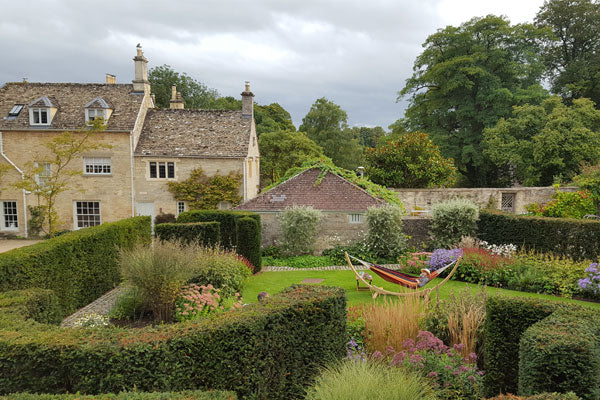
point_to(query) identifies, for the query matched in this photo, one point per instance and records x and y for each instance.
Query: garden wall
(425, 198)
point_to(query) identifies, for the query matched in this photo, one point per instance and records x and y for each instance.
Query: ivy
(325, 165)
(205, 193)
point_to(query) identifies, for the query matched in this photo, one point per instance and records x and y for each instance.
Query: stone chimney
(176, 99)
(111, 79)
(247, 102)
(140, 82)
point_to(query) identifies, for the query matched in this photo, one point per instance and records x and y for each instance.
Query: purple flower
(442, 257)
(377, 355)
(472, 378)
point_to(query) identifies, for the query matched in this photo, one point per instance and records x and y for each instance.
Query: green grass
(273, 282)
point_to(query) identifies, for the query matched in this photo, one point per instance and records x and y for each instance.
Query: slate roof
(194, 133)
(334, 193)
(70, 100)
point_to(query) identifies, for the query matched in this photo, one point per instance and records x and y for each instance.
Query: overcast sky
(357, 53)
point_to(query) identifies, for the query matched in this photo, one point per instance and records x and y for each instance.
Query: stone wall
(484, 197)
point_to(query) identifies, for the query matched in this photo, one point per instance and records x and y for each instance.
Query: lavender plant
(442, 257)
(591, 283)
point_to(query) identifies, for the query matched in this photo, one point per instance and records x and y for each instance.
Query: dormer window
(97, 108)
(41, 111)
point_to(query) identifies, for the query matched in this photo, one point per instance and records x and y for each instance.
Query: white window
(180, 207)
(93, 113)
(162, 170)
(39, 116)
(355, 218)
(10, 220)
(87, 213)
(45, 172)
(16, 110)
(96, 166)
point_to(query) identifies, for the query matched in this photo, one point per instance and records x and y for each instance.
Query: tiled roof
(194, 133)
(332, 194)
(70, 100)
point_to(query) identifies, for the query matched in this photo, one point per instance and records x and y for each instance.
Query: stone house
(148, 147)
(342, 203)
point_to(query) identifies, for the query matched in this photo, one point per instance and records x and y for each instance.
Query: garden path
(9, 244)
(101, 305)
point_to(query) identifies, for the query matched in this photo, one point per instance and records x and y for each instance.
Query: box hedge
(575, 238)
(78, 266)
(207, 233)
(541, 396)
(185, 395)
(268, 350)
(248, 245)
(562, 353)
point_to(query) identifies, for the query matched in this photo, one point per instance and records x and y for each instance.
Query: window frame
(40, 179)
(162, 170)
(355, 218)
(181, 207)
(38, 111)
(76, 214)
(3, 226)
(93, 162)
(96, 111)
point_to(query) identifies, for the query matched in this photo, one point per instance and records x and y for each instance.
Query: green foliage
(272, 118)
(541, 142)
(541, 396)
(299, 229)
(249, 240)
(195, 94)
(507, 318)
(78, 266)
(282, 150)
(306, 261)
(164, 218)
(465, 80)
(410, 160)
(451, 220)
(562, 353)
(589, 179)
(35, 223)
(571, 54)
(368, 137)
(220, 268)
(184, 395)
(206, 233)
(4, 168)
(267, 350)
(205, 193)
(385, 237)
(130, 304)
(577, 239)
(327, 125)
(358, 380)
(358, 249)
(565, 205)
(325, 165)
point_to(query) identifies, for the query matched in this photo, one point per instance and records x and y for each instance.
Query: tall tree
(540, 143)
(327, 125)
(282, 150)
(466, 79)
(272, 118)
(195, 94)
(367, 136)
(572, 55)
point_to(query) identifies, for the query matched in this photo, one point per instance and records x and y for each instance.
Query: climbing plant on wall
(204, 193)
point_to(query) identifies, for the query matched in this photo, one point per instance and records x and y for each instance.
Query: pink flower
(432, 374)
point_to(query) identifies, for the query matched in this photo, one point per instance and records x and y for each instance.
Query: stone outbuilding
(342, 203)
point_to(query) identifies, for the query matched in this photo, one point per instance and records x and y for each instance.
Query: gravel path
(101, 306)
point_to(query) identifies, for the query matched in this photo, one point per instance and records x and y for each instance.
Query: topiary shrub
(249, 241)
(385, 237)
(451, 220)
(299, 228)
(562, 353)
(221, 268)
(164, 218)
(206, 233)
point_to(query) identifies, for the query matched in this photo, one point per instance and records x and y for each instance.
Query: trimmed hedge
(186, 395)
(506, 320)
(562, 353)
(207, 233)
(267, 350)
(247, 246)
(18, 306)
(575, 238)
(78, 266)
(249, 241)
(541, 396)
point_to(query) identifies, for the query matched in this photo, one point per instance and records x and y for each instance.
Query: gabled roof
(98, 102)
(70, 100)
(194, 133)
(333, 193)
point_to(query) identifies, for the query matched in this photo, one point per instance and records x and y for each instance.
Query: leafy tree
(368, 137)
(195, 94)
(272, 118)
(589, 179)
(60, 152)
(465, 80)
(409, 160)
(225, 103)
(539, 143)
(327, 125)
(282, 150)
(572, 55)
(205, 193)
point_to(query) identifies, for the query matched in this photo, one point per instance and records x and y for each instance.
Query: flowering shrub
(200, 301)
(565, 205)
(454, 376)
(591, 283)
(91, 320)
(414, 262)
(442, 257)
(504, 250)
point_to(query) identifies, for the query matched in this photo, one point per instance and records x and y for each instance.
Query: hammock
(399, 278)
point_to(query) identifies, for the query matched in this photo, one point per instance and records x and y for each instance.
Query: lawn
(273, 282)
